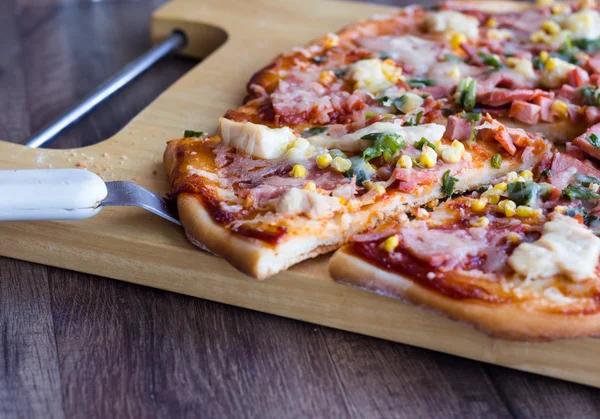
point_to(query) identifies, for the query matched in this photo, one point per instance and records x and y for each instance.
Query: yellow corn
(560, 107)
(508, 207)
(539, 37)
(428, 157)
(324, 160)
(561, 209)
(457, 39)
(405, 162)
(479, 204)
(491, 22)
(327, 78)
(551, 27)
(379, 188)
(433, 204)
(298, 171)
(457, 145)
(492, 195)
(551, 64)
(390, 243)
(310, 186)
(481, 222)
(331, 40)
(544, 2)
(341, 164)
(513, 237)
(512, 177)
(343, 200)
(502, 186)
(526, 174)
(544, 55)
(558, 9)
(524, 211)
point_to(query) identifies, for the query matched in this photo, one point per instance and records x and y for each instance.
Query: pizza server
(70, 194)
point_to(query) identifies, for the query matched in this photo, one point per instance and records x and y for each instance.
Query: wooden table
(75, 345)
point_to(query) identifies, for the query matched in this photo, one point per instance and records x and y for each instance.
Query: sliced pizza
(518, 260)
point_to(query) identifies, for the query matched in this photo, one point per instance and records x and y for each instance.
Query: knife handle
(50, 194)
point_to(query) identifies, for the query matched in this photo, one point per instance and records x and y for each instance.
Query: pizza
(518, 259)
(394, 117)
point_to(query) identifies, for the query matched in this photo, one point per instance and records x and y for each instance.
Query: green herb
(538, 64)
(386, 144)
(586, 180)
(418, 83)
(546, 173)
(586, 44)
(384, 55)
(591, 95)
(361, 169)
(370, 114)
(568, 52)
(448, 183)
(594, 140)
(340, 72)
(524, 193)
(399, 103)
(471, 116)
(422, 142)
(496, 161)
(192, 134)
(491, 59)
(319, 59)
(467, 93)
(416, 120)
(313, 131)
(453, 58)
(574, 192)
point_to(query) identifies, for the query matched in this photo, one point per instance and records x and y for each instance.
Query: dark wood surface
(79, 346)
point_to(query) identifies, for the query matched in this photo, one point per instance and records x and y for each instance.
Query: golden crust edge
(505, 321)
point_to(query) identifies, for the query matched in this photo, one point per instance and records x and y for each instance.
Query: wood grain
(77, 345)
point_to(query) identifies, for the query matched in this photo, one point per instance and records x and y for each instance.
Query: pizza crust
(505, 321)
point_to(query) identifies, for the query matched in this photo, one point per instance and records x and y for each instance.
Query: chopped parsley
(574, 192)
(422, 143)
(471, 116)
(386, 144)
(192, 134)
(523, 193)
(313, 131)
(448, 183)
(594, 140)
(491, 59)
(591, 95)
(546, 173)
(586, 44)
(538, 64)
(586, 180)
(467, 93)
(416, 120)
(496, 161)
(418, 83)
(340, 72)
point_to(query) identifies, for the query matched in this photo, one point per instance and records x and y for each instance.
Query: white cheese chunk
(312, 204)
(450, 20)
(555, 73)
(374, 75)
(583, 24)
(257, 140)
(418, 52)
(565, 248)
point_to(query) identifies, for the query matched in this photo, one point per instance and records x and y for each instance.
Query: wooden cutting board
(135, 246)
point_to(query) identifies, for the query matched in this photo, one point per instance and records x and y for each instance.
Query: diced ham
(458, 128)
(526, 22)
(499, 97)
(594, 63)
(409, 180)
(569, 93)
(493, 130)
(595, 79)
(575, 115)
(527, 113)
(587, 147)
(591, 115)
(578, 77)
(545, 105)
(573, 150)
(564, 167)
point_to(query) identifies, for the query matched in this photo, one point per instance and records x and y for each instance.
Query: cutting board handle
(50, 194)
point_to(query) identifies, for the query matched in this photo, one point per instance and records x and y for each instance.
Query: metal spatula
(70, 194)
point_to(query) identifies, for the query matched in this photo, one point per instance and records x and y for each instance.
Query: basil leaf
(386, 145)
(496, 161)
(491, 60)
(422, 142)
(192, 134)
(313, 131)
(594, 140)
(574, 192)
(523, 193)
(586, 180)
(467, 93)
(448, 183)
(417, 83)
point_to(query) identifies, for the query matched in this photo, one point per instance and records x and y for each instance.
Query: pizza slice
(267, 198)
(517, 260)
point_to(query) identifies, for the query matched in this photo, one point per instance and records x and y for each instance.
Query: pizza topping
(257, 140)
(528, 113)
(565, 248)
(564, 168)
(374, 75)
(555, 72)
(456, 22)
(589, 142)
(312, 204)
(412, 51)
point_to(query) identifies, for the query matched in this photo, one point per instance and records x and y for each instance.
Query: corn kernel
(502, 186)
(551, 27)
(481, 222)
(457, 145)
(479, 204)
(438, 146)
(544, 55)
(451, 155)
(390, 244)
(405, 162)
(310, 186)
(539, 37)
(343, 200)
(491, 22)
(457, 39)
(512, 177)
(324, 160)
(428, 157)
(331, 40)
(433, 204)
(526, 174)
(558, 9)
(379, 189)
(327, 78)
(508, 207)
(544, 2)
(524, 211)
(561, 209)
(560, 107)
(513, 237)
(551, 64)
(341, 164)
(298, 171)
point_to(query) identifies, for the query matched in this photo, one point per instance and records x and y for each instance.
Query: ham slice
(545, 105)
(564, 167)
(500, 97)
(490, 129)
(578, 77)
(458, 128)
(409, 180)
(527, 113)
(591, 115)
(587, 147)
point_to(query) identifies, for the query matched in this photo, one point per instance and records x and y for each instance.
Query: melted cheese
(312, 204)
(565, 248)
(555, 73)
(583, 24)
(450, 20)
(374, 75)
(257, 140)
(417, 52)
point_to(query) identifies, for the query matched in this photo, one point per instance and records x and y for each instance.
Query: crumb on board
(81, 165)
